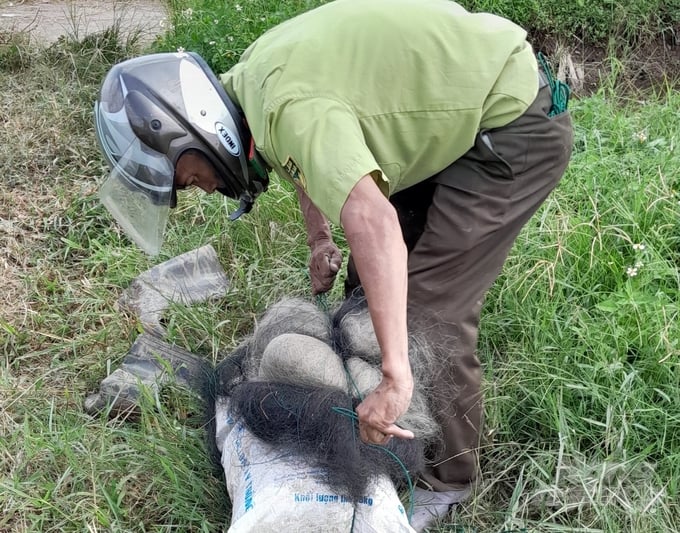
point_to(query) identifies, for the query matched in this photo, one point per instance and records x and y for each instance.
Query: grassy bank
(220, 31)
(579, 336)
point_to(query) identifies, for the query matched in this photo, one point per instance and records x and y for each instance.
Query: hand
(382, 407)
(324, 265)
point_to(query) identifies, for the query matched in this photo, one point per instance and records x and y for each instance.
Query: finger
(373, 436)
(383, 439)
(334, 264)
(322, 284)
(320, 288)
(396, 431)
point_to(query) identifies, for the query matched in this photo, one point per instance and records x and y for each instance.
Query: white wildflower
(181, 50)
(641, 137)
(638, 247)
(639, 264)
(238, 7)
(188, 12)
(632, 271)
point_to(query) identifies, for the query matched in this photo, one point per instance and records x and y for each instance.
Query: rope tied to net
(321, 301)
(352, 415)
(560, 90)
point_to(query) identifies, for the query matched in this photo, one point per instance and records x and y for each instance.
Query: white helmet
(150, 111)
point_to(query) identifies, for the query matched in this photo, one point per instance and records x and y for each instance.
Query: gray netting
(300, 363)
(292, 315)
(313, 423)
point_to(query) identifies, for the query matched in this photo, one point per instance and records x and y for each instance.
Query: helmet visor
(138, 192)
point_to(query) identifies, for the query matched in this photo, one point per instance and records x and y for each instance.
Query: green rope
(560, 90)
(322, 301)
(351, 383)
(406, 476)
(349, 413)
(353, 416)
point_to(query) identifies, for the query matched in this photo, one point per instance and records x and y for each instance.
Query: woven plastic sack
(274, 492)
(191, 277)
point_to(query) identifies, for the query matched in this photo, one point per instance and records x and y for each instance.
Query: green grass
(582, 357)
(221, 30)
(592, 22)
(580, 333)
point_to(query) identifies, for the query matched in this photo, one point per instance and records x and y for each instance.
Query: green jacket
(393, 88)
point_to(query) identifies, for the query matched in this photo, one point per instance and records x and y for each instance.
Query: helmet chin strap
(246, 202)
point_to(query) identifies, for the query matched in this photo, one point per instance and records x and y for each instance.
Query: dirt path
(47, 20)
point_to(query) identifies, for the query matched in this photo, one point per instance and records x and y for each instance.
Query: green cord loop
(322, 302)
(560, 90)
(353, 416)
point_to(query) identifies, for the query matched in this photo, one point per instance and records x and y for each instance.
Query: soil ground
(641, 66)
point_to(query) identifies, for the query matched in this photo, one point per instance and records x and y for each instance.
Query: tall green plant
(221, 30)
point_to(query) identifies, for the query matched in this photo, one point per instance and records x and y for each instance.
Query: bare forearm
(380, 256)
(374, 236)
(315, 222)
(325, 258)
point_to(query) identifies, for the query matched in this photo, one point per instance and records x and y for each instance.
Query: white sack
(274, 492)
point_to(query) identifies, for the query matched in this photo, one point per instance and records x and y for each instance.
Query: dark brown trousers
(459, 227)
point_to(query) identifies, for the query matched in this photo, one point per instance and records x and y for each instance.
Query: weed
(220, 31)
